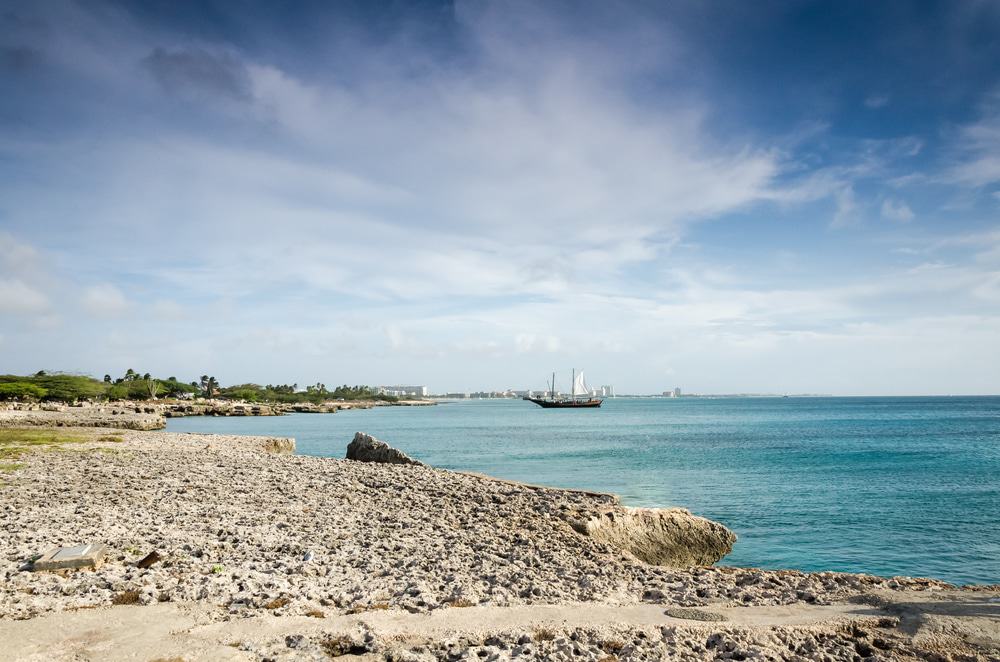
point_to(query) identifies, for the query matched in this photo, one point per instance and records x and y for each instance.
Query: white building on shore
(402, 391)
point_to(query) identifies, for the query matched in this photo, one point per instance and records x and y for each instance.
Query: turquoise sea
(907, 486)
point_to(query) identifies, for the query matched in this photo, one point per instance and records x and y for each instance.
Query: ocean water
(889, 486)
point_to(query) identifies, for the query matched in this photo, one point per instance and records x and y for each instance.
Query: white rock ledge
(661, 536)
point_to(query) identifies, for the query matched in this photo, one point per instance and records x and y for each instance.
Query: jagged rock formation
(670, 537)
(218, 408)
(366, 448)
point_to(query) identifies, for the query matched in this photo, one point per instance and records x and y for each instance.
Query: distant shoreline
(153, 415)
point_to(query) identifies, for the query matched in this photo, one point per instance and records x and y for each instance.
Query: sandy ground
(948, 625)
(275, 556)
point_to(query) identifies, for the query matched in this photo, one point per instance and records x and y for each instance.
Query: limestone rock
(279, 445)
(88, 417)
(366, 448)
(660, 536)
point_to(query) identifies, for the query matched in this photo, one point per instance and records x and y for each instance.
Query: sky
(769, 197)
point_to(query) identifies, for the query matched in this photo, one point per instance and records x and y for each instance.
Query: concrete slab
(80, 556)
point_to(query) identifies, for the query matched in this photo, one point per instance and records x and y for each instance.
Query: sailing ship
(579, 388)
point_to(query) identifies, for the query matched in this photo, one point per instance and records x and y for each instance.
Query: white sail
(580, 386)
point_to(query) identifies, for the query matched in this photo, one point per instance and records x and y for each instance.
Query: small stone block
(81, 556)
(695, 614)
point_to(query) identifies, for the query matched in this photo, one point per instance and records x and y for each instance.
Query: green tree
(64, 388)
(21, 391)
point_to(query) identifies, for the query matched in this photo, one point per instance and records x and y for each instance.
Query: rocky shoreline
(129, 415)
(329, 557)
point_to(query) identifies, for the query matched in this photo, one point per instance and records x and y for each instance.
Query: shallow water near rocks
(888, 486)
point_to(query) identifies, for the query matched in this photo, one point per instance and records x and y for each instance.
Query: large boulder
(366, 448)
(660, 536)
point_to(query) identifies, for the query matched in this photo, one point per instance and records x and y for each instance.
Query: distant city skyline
(778, 197)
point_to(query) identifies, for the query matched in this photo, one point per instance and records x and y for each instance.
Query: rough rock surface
(121, 417)
(366, 448)
(661, 536)
(245, 533)
(151, 415)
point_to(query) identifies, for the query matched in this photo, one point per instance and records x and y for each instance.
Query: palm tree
(209, 385)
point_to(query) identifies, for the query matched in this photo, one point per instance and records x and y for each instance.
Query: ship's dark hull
(566, 404)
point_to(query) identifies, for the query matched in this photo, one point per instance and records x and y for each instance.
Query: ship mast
(552, 390)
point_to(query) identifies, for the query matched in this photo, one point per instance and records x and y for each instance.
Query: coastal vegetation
(62, 387)
(291, 393)
(15, 442)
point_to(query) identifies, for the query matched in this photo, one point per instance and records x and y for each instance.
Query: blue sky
(726, 197)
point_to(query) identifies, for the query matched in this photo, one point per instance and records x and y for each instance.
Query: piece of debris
(690, 614)
(81, 556)
(148, 560)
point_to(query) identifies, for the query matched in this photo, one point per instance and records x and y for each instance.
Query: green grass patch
(9, 467)
(15, 442)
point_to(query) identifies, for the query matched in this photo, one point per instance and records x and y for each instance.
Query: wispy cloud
(530, 185)
(978, 159)
(104, 299)
(896, 210)
(877, 101)
(18, 298)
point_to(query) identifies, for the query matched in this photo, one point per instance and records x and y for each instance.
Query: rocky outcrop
(219, 408)
(366, 448)
(91, 417)
(660, 536)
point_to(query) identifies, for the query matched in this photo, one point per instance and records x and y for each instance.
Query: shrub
(21, 391)
(64, 388)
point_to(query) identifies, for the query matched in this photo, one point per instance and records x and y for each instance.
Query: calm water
(880, 485)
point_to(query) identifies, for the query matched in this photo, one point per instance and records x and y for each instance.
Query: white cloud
(167, 309)
(978, 152)
(846, 213)
(530, 342)
(16, 256)
(104, 300)
(16, 297)
(896, 210)
(877, 101)
(461, 224)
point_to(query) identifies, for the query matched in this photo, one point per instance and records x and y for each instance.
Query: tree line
(61, 387)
